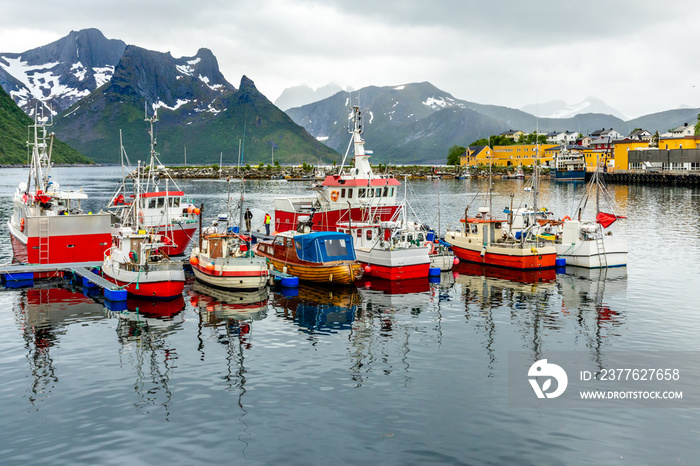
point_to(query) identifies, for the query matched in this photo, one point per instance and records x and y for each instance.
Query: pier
(21, 275)
(654, 177)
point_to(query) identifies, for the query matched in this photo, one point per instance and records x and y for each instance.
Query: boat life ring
(566, 218)
(334, 195)
(141, 217)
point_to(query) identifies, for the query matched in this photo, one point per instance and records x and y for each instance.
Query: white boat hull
(442, 261)
(589, 254)
(232, 273)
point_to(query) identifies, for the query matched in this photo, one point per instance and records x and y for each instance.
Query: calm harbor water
(415, 373)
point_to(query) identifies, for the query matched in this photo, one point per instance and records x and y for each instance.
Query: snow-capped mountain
(62, 72)
(560, 109)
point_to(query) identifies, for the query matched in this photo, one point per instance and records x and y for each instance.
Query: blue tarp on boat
(324, 246)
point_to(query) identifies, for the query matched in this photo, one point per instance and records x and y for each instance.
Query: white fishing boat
(163, 210)
(47, 224)
(353, 196)
(389, 250)
(224, 257)
(590, 243)
(137, 262)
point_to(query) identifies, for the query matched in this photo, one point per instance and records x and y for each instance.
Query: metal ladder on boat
(600, 244)
(43, 240)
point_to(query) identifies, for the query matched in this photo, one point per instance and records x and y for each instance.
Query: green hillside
(92, 125)
(14, 125)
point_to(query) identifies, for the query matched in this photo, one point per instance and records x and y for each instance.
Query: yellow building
(621, 150)
(686, 142)
(523, 155)
(476, 155)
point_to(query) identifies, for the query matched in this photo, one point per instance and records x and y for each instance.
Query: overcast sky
(639, 57)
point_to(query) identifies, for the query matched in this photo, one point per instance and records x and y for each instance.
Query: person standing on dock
(268, 219)
(248, 217)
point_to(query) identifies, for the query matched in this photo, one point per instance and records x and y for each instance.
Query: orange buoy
(190, 209)
(196, 211)
(209, 266)
(194, 260)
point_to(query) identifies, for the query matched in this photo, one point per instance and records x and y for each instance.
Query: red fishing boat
(48, 225)
(356, 195)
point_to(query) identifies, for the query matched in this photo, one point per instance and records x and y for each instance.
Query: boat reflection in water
(44, 315)
(230, 313)
(317, 309)
(143, 331)
(587, 293)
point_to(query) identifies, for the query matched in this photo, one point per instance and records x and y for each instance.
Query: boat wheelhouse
(355, 195)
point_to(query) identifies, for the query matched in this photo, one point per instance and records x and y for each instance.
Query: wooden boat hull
(340, 272)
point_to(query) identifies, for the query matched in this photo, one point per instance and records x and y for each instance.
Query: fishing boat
(355, 195)
(484, 240)
(569, 164)
(589, 243)
(389, 250)
(224, 257)
(47, 224)
(321, 257)
(136, 261)
(164, 210)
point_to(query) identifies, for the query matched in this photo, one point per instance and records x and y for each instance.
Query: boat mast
(151, 166)
(438, 206)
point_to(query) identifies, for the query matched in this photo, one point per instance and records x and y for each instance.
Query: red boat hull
(520, 262)
(397, 273)
(327, 220)
(62, 249)
(181, 236)
(168, 289)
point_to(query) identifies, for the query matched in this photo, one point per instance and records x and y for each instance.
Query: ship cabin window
(361, 192)
(174, 201)
(378, 192)
(335, 247)
(392, 192)
(152, 203)
(358, 232)
(342, 193)
(161, 202)
(350, 190)
(369, 234)
(420, 237)
(279, 241)
(386, 191)
(410, 237)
